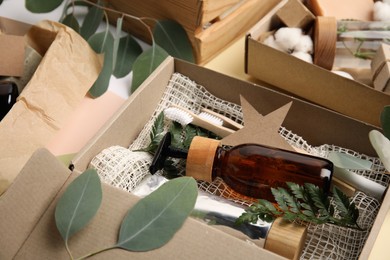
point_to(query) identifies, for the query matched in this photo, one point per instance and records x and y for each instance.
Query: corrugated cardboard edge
(26, 200)
(327, 89)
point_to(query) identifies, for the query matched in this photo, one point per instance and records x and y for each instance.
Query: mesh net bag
(125, 168)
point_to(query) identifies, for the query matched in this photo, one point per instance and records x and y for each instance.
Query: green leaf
(279, 198)
(91, 22)
(385, 121)
(381, 145)
(342, 202)
(79, 204)
(42, 6)
(154, 220)
(347, 161)
(156, 134)
(128, 51)
(146, 63)
(72, 22)
(171, 36)
(102, 43)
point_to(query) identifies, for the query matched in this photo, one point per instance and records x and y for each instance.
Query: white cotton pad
(288, 38)
(305, 44)
(303, 56)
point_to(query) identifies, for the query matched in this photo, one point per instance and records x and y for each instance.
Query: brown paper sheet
(67, 71)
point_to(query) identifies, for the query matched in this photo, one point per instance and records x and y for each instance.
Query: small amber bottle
(253, 169)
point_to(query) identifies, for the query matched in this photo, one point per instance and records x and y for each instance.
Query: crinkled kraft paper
(67, 71)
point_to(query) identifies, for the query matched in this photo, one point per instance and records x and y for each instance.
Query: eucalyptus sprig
(122, 54)
(148, 225)
(306, 203)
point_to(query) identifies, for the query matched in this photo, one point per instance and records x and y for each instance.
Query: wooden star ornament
(260, 129)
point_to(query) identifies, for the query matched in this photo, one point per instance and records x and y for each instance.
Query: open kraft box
(210, 25)
(309, 81)
(27, 208)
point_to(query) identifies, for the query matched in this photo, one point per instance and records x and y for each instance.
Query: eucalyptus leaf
(102, 43)
(154, 220)
(79, 204)
(146, 63)
(347, 161)
(385, 121)
(171, 36)
(42, 6)
(91, 22)
(128, 51)
(72, 22)
(381, 145)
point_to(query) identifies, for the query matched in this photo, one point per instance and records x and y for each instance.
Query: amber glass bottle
(253, 169)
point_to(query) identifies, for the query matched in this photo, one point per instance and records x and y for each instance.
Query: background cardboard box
(309, 81)
(27, 209)
(211, 25)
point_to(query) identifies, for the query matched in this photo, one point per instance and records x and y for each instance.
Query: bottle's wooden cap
(201, 157)
(325, 37)
(286, 238)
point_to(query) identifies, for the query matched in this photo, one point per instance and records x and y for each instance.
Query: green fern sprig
(307, 203)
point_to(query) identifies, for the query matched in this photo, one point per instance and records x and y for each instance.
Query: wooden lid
(286, 238)
(201, 157)
(325, 37)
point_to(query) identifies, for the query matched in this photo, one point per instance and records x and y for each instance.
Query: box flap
(22, 205)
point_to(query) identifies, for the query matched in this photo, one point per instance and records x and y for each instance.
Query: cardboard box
(210, 25)
(27, 208)
(309, 81)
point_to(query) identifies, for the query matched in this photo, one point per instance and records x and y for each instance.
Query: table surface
(230, 62)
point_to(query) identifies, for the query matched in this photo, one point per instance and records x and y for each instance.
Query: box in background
(210, 25)
(308, 81)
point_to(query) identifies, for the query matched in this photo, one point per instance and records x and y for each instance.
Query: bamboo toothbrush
(210, 122)
(227, 122)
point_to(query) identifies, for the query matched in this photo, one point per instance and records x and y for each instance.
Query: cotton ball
(288, 38)
(305, 44)
(270, 41)
(303, 56)
(381, 11)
